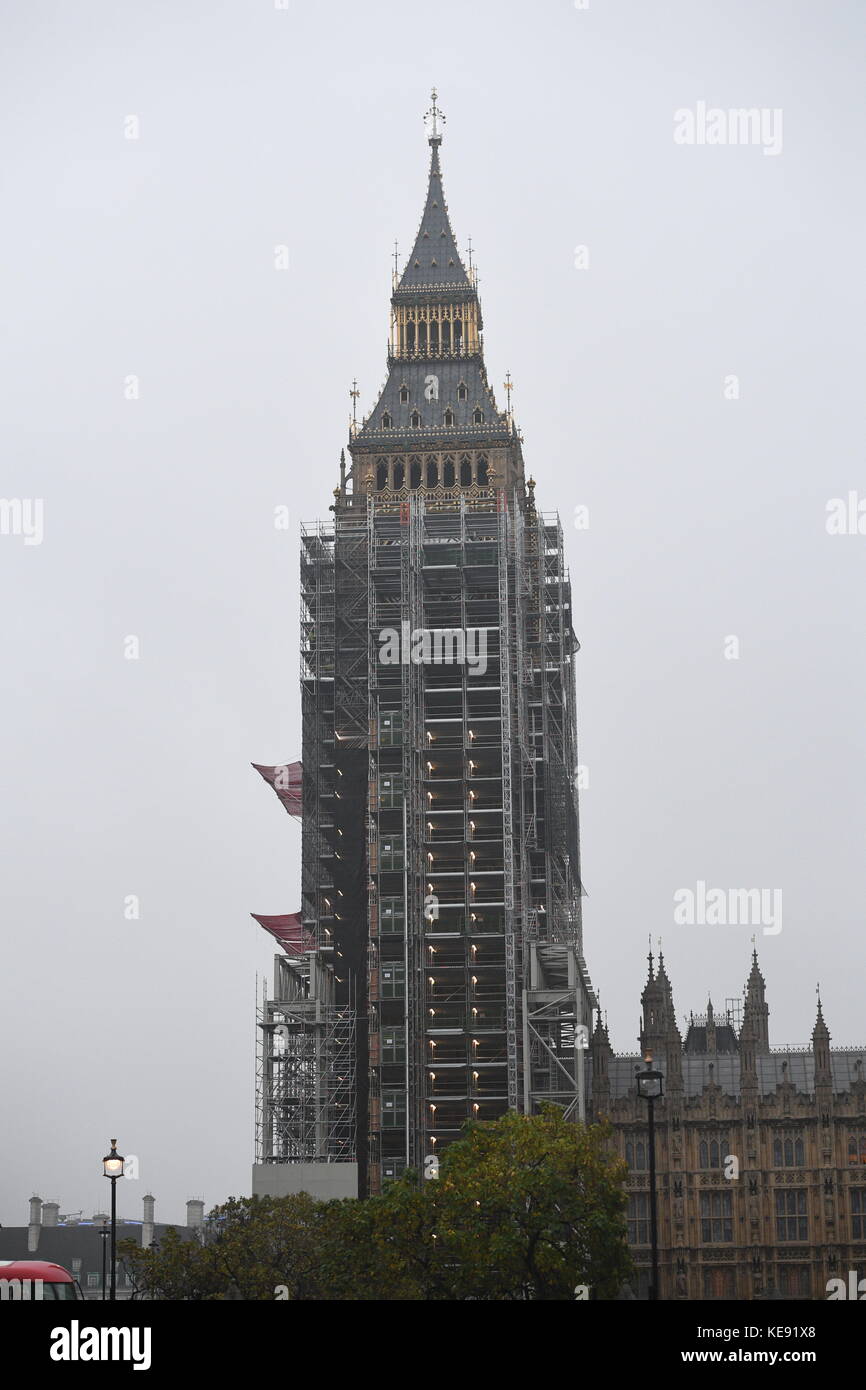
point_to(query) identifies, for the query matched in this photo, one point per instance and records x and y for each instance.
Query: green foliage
(523, 1208)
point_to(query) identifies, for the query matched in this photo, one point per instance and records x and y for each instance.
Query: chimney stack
(149, 1203)
(50, 1212)
(35, 1224)
(195, 1213)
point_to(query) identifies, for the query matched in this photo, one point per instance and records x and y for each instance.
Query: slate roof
(772, 1071)
(435, 261)
(696, 1038)
(449, 373)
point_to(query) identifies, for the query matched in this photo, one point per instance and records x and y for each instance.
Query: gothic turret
(436, 426)
(755, 1012)
(821, 1049)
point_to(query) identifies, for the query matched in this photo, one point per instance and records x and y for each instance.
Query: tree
(523, 1208)
(528, 1208)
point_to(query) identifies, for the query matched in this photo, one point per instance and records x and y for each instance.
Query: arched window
(386, 421)
(381, 475)
(434, 336)
(852, 1151)
(449, 418)
(465, 472)
(777, 1153)
(789, 1153)
(410, 337)
(448, 473)
(446, 336)
(704, 1159)
(458, 335)
(432, 473)
(461, 391)
(416, 420)
(482, 471)
(478, 417)
(399, 474)
(404, 395)
(415, 473)
(799, 1156)
(422, 336)
(640, 1155)
(629, 1153)
(714, 1153)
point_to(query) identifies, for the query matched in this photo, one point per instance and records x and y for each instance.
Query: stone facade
(760, 1151)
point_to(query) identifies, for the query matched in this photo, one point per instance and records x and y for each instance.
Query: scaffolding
(305, 1067)
(441, 977)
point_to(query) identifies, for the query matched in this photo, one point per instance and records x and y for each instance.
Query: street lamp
(112, 1167)
(649, 1085)
(104, 1234)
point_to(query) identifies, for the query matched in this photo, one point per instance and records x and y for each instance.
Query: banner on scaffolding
(287, 781)
(289, 930)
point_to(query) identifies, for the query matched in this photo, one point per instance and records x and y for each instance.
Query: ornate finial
(509, 387)
(354, 393)
(530, 488)
(469, 256)
(434, 116)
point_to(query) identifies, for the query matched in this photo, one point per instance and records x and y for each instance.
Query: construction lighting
(475, 1075)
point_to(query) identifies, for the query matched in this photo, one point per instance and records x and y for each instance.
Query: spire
(821, 1047)
(436, 399)
(434, 261)
(756, 1014)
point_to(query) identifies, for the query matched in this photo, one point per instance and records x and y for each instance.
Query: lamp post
(112, 1167)
(649, 1084)
(104, 1234)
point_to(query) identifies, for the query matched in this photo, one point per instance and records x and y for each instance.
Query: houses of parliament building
(760, 1150)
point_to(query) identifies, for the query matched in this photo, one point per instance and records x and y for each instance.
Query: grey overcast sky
(261, 126)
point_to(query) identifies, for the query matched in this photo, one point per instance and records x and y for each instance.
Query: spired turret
(436, 425)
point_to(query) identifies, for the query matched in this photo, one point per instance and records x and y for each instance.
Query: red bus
(36, 1280)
